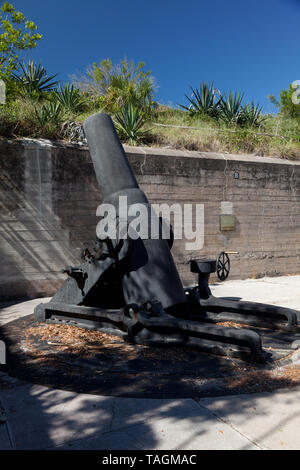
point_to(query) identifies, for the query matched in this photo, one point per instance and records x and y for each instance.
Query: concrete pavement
(42, 418)
(283, 291)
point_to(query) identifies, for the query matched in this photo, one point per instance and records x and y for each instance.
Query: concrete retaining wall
(49, 196)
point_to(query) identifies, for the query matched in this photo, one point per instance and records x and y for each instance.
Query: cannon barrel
(149, 271)
(113, 171)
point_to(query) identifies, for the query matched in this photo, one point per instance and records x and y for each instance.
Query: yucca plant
(251, 115)
(203, 101)
(49, 113)
(33, 80)
(231, 107)
(69, 98)
(129, 123)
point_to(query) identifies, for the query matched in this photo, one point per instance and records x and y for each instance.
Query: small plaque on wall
(227, 222)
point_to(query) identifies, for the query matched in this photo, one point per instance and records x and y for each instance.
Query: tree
(17, 34)
(286, 105)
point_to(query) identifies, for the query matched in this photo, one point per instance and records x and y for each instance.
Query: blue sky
(252, 47)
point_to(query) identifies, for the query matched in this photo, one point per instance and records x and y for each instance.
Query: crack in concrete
(230, 425)
(225, 177)
(260, 231)
(143, 163)
(292, 186)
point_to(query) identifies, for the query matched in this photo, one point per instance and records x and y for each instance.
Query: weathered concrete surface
(270, 420)
(5, 443)
(49, 196)
(41, 418)
(10, 311)
(283, 291)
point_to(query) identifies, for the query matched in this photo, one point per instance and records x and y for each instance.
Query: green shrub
(114, 86)
(13, 89)
(286, 106)
(49, 113)
(19, 119)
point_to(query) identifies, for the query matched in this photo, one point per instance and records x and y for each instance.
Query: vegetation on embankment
(38, 106)
(278, 136)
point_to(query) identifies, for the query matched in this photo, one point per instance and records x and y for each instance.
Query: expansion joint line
(225, 177)
(230, 425)
(260, 230)
(293, 191)
(8, 428)
(113, 413)
(39, 181)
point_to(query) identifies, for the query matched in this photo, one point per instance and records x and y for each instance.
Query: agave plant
(129, 123)
(49, 113)
(231, 107)
(33, 80)
(69, 98)
(203, 101)
(251, 115)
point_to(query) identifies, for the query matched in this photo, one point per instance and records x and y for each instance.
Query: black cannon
(130, 286)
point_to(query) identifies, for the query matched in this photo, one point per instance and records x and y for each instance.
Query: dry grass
(213, 136)
(18, 119)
